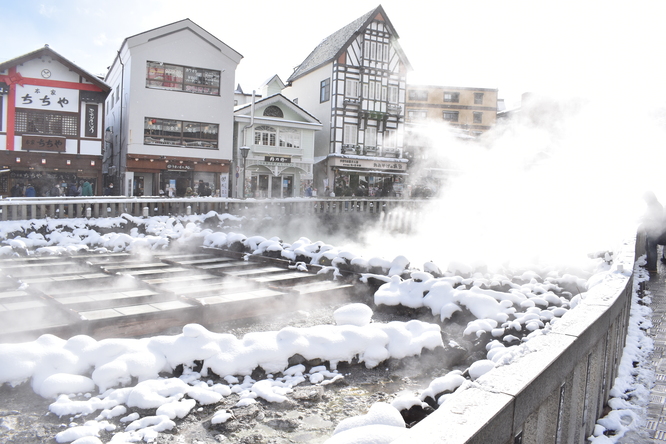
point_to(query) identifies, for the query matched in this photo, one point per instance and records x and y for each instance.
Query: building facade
(280, 138)
(354, 82)
(470, 111)
(51, 126)
(467, 112)
(170, 112)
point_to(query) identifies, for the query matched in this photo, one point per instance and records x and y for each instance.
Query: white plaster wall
(188, 49)
(91, 147)
(306, 90)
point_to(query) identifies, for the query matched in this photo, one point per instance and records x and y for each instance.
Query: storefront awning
(372, 172)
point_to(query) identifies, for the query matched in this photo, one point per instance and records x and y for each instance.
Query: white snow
(60, 368)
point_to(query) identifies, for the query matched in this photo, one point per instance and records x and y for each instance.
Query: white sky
(554, 47)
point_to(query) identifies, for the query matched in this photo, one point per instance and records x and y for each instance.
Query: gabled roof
(47, 51)
(275, 78)
(333, 45)
(276, 98)
(177, 27)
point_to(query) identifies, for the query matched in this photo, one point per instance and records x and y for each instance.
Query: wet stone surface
(310, 414)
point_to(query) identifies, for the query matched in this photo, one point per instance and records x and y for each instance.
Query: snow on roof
(331, 46)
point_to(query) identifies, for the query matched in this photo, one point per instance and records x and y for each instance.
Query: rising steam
(561, 180)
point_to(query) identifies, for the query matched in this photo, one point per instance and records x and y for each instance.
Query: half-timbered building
(354, 82)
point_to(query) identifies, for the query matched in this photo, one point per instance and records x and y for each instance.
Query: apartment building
(470, 111)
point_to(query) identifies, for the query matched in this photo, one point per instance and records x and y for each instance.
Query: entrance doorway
(275, 188)
(287, 186)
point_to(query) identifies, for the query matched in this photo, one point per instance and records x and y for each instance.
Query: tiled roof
(331, 45)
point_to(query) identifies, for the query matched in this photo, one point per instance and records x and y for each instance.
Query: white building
(170, 111)
(354, 82)
(51, 124)
(280, 138)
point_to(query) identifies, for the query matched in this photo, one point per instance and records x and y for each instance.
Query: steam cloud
(562, 180)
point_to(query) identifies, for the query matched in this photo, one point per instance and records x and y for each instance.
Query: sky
(550, 47)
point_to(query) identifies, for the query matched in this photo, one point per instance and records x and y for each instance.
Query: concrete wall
(556, 391)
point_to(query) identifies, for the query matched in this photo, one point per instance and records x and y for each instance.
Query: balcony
(394, 110)
(348, 101)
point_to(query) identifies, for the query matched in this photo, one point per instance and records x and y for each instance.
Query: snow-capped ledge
(555, 384)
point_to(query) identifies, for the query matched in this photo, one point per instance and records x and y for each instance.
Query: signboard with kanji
(43, 143)
(47, 98)
(278, 159)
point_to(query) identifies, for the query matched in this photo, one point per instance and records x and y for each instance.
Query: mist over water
(562, 180)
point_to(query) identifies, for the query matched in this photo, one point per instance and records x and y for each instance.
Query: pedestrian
(654, 226)
(72, 190)
(86, 189)
(17, 190)
(201, 189)
(109, 191)
(30, 191)
(189, 192)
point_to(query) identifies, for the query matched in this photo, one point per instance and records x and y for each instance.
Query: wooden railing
(71, 207)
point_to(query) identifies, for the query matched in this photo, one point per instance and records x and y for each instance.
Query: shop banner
(42, 143)
(47, 98)
(224, 185)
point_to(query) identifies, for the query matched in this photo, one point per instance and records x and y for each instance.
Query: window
(325, 90)
(393, 94)
(182, 78)
(416, 114)
(180, 133)
(452, 97)
(265, 135)
(41, 122)
(416, 94)
(273, 111)
(450, 116)
(390, 138)
(290, 138)
(478, 98)
(370, 137)
(478, 117)
(350, 134)
(351, 88)
(376, 51)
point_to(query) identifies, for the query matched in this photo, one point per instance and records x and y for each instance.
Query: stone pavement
(656, 414)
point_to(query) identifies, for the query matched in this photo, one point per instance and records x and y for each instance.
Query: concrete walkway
(655, 428)
(656, 420)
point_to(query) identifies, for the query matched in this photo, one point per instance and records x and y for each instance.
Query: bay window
(180, 133)
(265, 135)
(182, 78)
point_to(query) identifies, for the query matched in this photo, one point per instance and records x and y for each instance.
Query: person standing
(30, 191)
(109, 191)
(86, 189)
(654, 226)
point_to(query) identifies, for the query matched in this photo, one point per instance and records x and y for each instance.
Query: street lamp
(244, 152)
